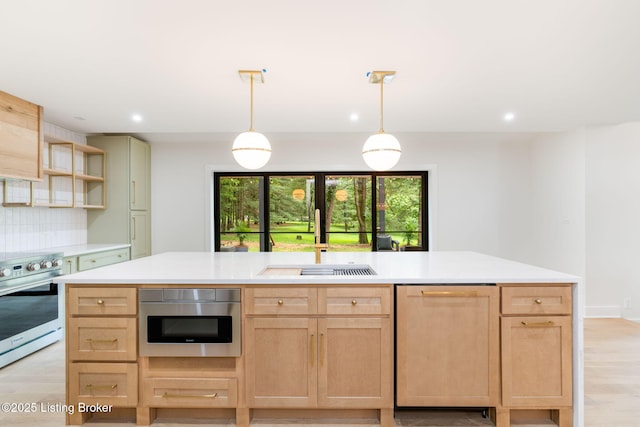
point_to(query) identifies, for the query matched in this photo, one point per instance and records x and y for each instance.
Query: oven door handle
(26, 286)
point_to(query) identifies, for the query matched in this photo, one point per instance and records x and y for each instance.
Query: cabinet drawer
(356, 300)
(102, 301)
(104, 383)
(281, 301)
(536, 300)
(190, 392)
(99, 339)
(100, 259)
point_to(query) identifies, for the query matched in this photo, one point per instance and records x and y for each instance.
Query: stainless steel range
(29, 303)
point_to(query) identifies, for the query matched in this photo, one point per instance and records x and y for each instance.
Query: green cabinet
(127, 215)
(94, 259)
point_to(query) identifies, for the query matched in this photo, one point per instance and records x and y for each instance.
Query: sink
(319, 270)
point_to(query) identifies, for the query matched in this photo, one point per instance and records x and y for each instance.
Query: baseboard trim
(609, 311)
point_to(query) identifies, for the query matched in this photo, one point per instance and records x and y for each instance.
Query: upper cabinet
(139, 170)
(126, 218)
(21, 138)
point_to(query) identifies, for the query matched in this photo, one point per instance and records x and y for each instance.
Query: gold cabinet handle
(101, 387)
(537, 324)
(354, 302)
(538, 301)
(111, 341)
(134, 192)
(94, 261)
(204, 396)
(449, 293)
(280, 302)
(321, 356)
(100, 302)
(312, 350)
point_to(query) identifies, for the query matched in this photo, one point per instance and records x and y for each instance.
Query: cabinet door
(447, 346)
(21, 138)
(281, 362)
(355, 363)
(139, 169)
(140, 234)
(536, 361)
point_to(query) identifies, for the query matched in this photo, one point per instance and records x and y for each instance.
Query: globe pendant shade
(251, 150)
(381, 151)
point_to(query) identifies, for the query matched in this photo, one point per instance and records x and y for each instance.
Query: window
(359, 211)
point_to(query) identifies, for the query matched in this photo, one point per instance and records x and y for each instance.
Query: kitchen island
(323, 346)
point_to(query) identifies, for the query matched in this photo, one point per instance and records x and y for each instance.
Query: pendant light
(251, 149)
(382, 150)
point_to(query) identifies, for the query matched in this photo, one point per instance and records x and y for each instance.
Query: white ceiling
(461, 64)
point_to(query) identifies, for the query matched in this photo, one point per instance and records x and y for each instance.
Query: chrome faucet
(318, 246)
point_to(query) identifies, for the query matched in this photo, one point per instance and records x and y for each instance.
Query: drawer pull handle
(103, 341)
(100, 301)
(280, 302)
(102, 387)
(111, 341)
(205, 396)
(449, 293)
(93, 260)
(354, 302)
(538, 324)
(312, 350)
(538, 301)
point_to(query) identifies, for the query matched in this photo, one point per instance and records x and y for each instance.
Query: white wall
(613, 221)
(558, 202)
(586, 210)
(482, 184)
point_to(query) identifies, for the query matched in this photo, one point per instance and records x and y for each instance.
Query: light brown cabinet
(309, 347)
(75, 179)
(447, 346)
(21, 138)
(321, 351)
(76, 176)
(354, 366)
(175, 384)
(101, 348)
(190, 392)
(281, 359)
(536, 338)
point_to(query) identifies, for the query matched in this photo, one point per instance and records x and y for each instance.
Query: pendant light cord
(381, 104)
(251, 105)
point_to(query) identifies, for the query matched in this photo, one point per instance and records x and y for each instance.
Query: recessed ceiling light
(354, 117)
(508, 117)
(136, 118)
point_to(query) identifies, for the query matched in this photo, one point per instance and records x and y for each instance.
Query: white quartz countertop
(246, 268)
(86, 248)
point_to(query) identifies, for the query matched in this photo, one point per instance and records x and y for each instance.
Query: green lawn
(293, 236)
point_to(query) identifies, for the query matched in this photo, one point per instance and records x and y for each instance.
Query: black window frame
(319, 178)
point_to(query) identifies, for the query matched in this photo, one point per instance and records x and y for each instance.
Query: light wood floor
(612, 386)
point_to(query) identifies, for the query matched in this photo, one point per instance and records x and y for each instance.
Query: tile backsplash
(33, 228)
